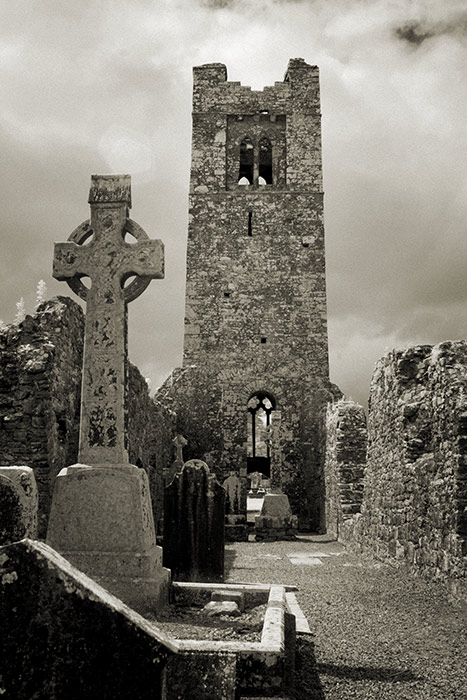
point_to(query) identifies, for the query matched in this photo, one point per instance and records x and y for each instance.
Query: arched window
(265, 161)
(246, 160)
(260, 407)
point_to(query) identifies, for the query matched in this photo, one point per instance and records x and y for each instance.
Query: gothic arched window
(260, 407)
(246, 160)
(265, 161)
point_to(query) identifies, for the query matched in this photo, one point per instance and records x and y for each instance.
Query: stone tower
(255, 380)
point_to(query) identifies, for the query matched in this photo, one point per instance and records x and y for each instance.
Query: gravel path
(377, 633)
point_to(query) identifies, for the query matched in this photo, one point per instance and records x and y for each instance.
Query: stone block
(63, 636)
(237, 597)
(274, 526)
(18, 504)
(222, 607)
(101, 520)
(276, 504)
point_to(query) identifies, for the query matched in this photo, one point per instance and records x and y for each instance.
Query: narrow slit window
(250, 229)
(265, 162)
(246, 161)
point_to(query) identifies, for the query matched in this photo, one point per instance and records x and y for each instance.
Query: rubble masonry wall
(415, 496)
(40, 391)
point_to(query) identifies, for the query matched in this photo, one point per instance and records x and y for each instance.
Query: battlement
(299, 91)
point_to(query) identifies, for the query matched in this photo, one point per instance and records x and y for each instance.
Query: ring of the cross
(136, 287)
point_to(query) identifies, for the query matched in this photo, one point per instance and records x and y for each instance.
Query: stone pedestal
(101, 521)
(276, 521)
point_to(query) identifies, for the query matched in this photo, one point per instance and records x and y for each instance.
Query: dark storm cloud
(416, 32)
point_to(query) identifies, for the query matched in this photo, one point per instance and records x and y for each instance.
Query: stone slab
(304, 559)
(301, 623)
(237, 597)
(63, 636)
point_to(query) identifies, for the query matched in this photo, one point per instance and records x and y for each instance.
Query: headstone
(101, 516)
(276, 521)
(194, 506)
(176, 467)
(63, 636)
(18, 504)
(236, 528)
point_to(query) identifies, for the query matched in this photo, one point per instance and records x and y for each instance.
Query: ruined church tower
(255, 380)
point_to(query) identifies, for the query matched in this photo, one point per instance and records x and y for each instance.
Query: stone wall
(415, 496)
(151, 429)
(40, 391)
(40, 386)
(345, 463)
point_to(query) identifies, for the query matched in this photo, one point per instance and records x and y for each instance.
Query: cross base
(101, 521)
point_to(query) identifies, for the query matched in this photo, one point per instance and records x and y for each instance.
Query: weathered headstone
(236, 528)
(194, 507)
(176, 467)
(18, 504)
(276, 521)
(101, 516)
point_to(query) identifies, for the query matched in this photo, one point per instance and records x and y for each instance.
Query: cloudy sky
(104, 86)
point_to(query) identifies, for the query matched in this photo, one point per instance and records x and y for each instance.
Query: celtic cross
(98, 249)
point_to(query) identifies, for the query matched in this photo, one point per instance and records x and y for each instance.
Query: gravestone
(101, 517)
(194, 507)
(18, 504)
(276, 522)
(176, 467)
(236, 528)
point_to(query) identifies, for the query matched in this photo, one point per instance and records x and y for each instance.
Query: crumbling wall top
(212, 91)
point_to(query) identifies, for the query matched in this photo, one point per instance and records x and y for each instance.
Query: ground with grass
(377, 632)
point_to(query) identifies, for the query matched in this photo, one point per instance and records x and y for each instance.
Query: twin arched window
(255, 163)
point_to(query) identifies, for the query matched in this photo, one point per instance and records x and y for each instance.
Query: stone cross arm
(143, 258)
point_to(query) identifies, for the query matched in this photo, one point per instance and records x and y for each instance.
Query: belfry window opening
(255, 162)
(245, 173)
(265, 162)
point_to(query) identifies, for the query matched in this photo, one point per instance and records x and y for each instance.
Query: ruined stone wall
(40, 386)
(345, 462)
(40, 392)
(151, 429)
(255, 318)
(415, 496)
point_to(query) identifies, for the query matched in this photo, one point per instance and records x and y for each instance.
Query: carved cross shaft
(97, 249)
